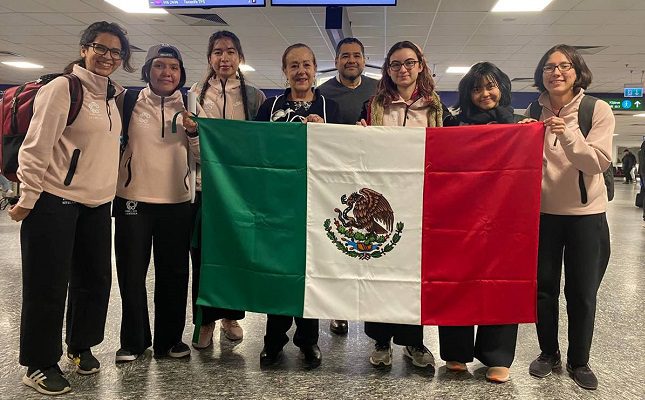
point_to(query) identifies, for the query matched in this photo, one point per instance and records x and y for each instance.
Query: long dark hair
(583, 73)
(91, 32)
(211, 73)
(386, 91)
(474, 78)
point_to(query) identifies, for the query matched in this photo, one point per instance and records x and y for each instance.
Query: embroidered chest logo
(208, 105)
(144, 118)
(94, 107)
(131, 207)
(369, 232)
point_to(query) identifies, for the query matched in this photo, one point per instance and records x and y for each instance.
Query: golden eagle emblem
(369, 231)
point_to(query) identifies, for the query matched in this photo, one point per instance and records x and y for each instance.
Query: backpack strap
(129, 101)
(76, 97)
(585, 113)
(253, 106)
(535, 110)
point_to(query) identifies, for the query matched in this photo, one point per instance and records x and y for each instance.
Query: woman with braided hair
(225, 94)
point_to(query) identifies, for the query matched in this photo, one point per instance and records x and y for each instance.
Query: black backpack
(585, 116)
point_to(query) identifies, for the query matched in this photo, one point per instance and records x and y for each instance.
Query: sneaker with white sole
(47, 381)
(180, 350)
(205, 336)
(420, 356)
(86, 363)
(232, 329)
(381, 355)
(123, 356)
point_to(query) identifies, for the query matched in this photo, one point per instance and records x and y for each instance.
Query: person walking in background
(350, 89)
(69, 176)
(573, 222)
(629, 162)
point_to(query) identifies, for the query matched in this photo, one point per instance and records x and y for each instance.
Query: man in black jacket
(629, 161)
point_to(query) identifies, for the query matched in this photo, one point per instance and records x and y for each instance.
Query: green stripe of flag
(254, 179)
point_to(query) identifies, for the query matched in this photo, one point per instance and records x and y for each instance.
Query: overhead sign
(625, 104)
(633, 92)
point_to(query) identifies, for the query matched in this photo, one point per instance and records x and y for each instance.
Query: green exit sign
(625, 104)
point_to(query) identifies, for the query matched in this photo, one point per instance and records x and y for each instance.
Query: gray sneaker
(382, 355)
(420, 356)
(542, 366)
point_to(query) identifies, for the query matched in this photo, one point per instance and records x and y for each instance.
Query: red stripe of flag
(480, 224)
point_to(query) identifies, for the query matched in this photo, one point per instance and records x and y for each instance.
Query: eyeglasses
(409, 64)
(563, 67)
(101, 50)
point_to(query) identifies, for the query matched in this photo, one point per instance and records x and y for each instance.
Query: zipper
(128, 166)
(163, 118)
(407, 108)
(109, 112)
(223, 94)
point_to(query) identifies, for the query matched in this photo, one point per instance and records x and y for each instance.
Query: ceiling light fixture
(136, 7)
(457, 70)
(246, 68)
(520, 5)
(22, 64)
(639, 115)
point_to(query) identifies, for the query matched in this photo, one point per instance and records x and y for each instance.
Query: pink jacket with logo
(154, 165)
(77, 162)
(569, 153)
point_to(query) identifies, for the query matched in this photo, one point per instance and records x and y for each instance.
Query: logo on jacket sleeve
(369, 231)
(144, 118)
(94, 107)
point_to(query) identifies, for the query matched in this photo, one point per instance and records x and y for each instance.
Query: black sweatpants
(166, 228)
(278, 325)
(66, 248)
(583, 241)
(209, 314)
(494, 345)
(401, 334)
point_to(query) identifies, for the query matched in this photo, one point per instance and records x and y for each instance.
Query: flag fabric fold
(433, 226)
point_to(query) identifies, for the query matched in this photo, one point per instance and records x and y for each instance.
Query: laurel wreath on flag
(369, 239)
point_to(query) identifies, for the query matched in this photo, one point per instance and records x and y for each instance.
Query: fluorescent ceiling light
(246, 68)
(22, 64)
(640, 115)
(323, 79)
(457, 70)
(374, 75)
(136, 7)
(520, 5)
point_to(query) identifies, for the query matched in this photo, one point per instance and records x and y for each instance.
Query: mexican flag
(435, 226)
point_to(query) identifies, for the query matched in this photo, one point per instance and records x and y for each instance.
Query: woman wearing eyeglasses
(405, 96)
(573, 225)
(69, 175)
(484, 98)
(299, 103)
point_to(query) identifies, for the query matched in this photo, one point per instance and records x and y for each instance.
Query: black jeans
(165, 228)
(583, 241)
(401, 334)
(494, 345)
(209, 314)
(63, 243)
(278, 325)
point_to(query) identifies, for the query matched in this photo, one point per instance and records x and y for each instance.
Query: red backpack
(17, 110)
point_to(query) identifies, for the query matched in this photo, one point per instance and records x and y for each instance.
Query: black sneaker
(123, 356)
(85, 362)
(583, 376)
(542, 366)
(180, 350)
(47, 381)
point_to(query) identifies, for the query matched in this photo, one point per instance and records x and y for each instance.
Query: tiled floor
(230, 370)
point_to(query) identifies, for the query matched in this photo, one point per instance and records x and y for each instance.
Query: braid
(205, 87)
(245, 100)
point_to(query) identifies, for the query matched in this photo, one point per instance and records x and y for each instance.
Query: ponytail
(245, 100)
